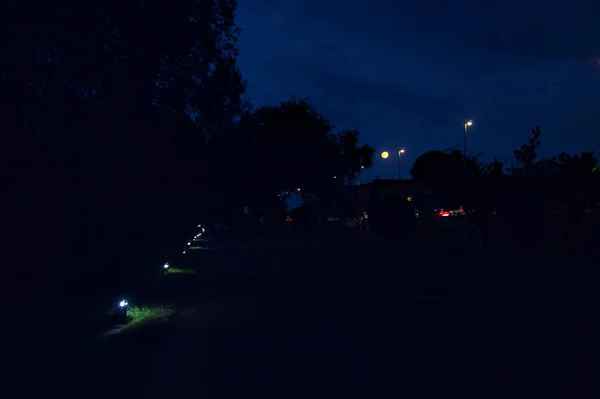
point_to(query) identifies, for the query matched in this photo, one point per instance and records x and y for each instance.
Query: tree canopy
(292, 146)
(354, 155)
(109, 106)
(527, 153)
(467, 179)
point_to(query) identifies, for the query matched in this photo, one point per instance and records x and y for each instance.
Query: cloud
(355, 90)
(530, 30)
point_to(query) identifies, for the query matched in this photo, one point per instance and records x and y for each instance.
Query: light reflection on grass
(174, 270)
(143, 315)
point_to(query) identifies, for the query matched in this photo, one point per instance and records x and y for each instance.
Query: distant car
(449, 211)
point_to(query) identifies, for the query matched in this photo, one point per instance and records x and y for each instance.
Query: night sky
(409, 73)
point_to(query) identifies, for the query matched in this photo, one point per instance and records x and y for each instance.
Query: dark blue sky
(408, 73)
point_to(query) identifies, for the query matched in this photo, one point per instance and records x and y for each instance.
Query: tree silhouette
(576, 167)
(574, 176)
(435, 166)
(292, 146)
(292, 149)
(529, 200)
(457, 180)
(440, 167)
(355, 156)
(495, 168)
(109, 108)
(527, 153)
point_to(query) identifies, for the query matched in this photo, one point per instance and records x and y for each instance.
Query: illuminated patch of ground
(143, 315)
(175, 270)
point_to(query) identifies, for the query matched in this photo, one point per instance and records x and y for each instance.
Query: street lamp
(400, 152)
(360, 174)
(467, 124)
(386, 154)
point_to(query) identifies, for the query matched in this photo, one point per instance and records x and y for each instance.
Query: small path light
(119, 315)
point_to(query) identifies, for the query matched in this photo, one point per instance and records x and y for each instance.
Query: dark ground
(354, 322)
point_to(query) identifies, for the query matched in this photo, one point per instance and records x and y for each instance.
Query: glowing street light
(401, 151)
(166, 266)
(123, 303)
(467, 124)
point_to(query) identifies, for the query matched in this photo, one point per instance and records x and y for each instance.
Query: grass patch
(143, 315)
(174, 270)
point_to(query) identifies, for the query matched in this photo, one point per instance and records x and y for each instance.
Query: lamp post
(400, 152)
(386, 154)
(467, 124)
(360, 207)
(360, 174)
